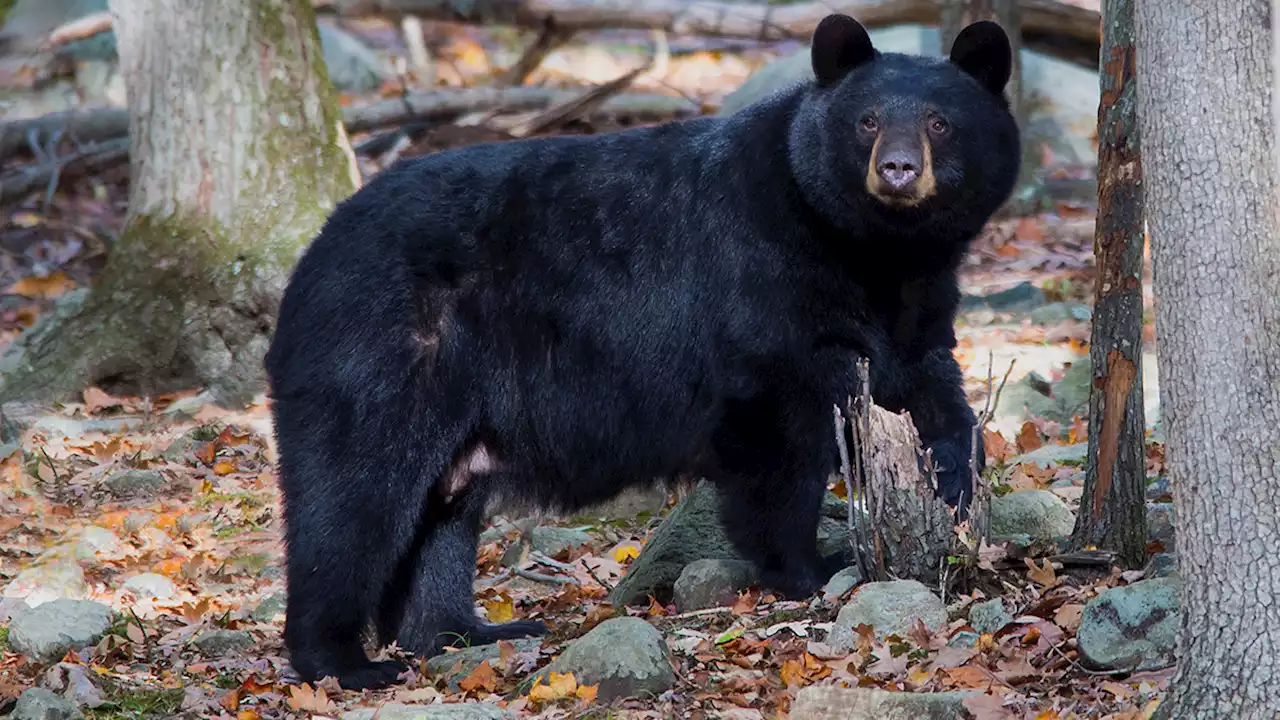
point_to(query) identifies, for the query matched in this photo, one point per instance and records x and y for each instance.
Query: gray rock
(891, 608)
(147, 586)
(1067, 398)
(73, 683)
(1057, 312)
(1021, 297)
(989, 616)
(451, 711)
(456, 665)
(629, 504)
(1134, 627)
(47, 632)
(222, 642)
(1159, 489)
(271, 606)
(1160, 525)
(40, 584)
(711, 583)
(841, 583)
(833, 537)
(352, 66)
(99, 543)
(831, 702)
(1161, 565)
(551, 541)
(1038, 513)
(42, 704)
(134, 483)
(181, 450)
(964, 639)
(625, 656)
(1050, 455)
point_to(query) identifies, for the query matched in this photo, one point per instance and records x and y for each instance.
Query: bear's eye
(869, 124)
(938, 126)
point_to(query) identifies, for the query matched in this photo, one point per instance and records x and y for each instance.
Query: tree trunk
(239, 154)
(1113, 514)
(1205, 104)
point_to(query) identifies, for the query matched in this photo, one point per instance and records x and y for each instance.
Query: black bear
(552, 320)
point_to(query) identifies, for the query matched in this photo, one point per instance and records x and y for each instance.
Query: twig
(24, 181)
(411, 26)
(558, 115)
(78, 29)
(1096, 673)
(594, 576)
(550, 37)
(550, 579)
(542, 559)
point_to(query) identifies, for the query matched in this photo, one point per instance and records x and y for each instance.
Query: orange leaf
(231, 700)
(224, 467)
(587, 693)
(96, 399)
(501, 609)
(248, 715)
(792, 673)
(482, 678)
(1042, 574)
(303, 697)
(996, 446)
(1028, 438)
(50, 286)
(558, 686)
(206, 453)
(1068, 616)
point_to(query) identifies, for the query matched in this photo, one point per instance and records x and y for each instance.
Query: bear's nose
(898, 169)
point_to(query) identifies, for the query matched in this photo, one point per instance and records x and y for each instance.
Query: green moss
(4, 639)
(137, 704)
(5, 7)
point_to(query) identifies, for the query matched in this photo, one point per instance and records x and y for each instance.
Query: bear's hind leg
(436, 582)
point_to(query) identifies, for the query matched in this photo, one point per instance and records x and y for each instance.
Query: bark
(1113, 514)
(1205, 104)
(1055, 27)
(239, 154)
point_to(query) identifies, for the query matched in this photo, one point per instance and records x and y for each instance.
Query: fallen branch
(84, 126)
(99, 157)
(1059, 28)
(580, 106)
(549, 38)
(78, 29)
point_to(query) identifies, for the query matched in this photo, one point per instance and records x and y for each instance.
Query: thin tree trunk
(239, 154)
(1113, 513)
(1205, 104)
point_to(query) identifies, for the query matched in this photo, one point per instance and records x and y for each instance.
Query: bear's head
(906, 143)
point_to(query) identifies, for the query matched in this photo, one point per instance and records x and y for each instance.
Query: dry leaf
(50, 286)
(1068, 616)
(559, 686)
(224, 467)
(1028, 438)
(305, 698)
(997, 448)
(482, 678)
(1043, 574)
(623, 553)
(587, 693)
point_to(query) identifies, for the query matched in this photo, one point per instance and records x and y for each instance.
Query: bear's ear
(840, 44)
(982, 50)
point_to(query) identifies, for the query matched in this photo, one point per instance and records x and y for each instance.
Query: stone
(1051, 455)
(450, 711)
(42, 704)
(841, 583)
(990, 616)
(134, 483)
(831, 702)
(1159, 489)
(1160, 526)
(624, 656)
(40, 584)
(711, 582)
(551, 540)
(99, 543)
(458, 664)
(47, 632)
(1021, 297)
(964, 639)
(222, 642)
(148, 586)
(628, 505)
(1161, 565)
(1038, 513)
(1057, 312)
(353, 67)
(1134, 627)
(270, 607)
(73, 683)
(891, 608)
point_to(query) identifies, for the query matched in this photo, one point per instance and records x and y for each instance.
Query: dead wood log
(84, 126)
(1058, 28)
(94, 158)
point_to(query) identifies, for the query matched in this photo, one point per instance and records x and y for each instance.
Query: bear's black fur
(556, 319)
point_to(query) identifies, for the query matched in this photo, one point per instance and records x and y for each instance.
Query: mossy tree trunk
(1113, 512)
(1211, 197)
(239, 154)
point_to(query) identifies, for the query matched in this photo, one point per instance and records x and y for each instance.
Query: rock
(990, 616)
(711, 583)
(222, 642)
(629, 504)
(134, 483)
(551, 540)
(1038, 513)
(456, 665)
(270, 606)
(99, 543)
(1021, 297)
(891, 608)
(1160, 526)
(181, 450)
(1161, 565)
(353, 67)
(147, 586)
(833, 537)
(451, 711)
(1058, 312)
(841, 583)
(1134, 627)
(831, 702)
(964, 639)
(42, 704)
(71, 680)
(625, 656)
(1067, 398)
(1159, 489)
(47, 632)
(40, 584)
(1050, 455)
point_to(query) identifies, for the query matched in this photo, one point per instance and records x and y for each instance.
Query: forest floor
(166, 510)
